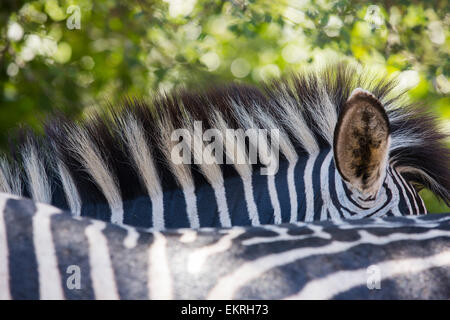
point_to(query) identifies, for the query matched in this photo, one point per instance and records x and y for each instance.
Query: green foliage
(139, 47)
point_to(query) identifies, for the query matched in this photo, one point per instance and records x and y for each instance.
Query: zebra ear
(361, 143)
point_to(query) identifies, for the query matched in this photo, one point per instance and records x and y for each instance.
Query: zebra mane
(124, 151)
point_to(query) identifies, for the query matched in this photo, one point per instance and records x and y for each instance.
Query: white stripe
(416, 198)
(380, 222)
(331, 285)
(159, 279)
(424, 175)
(274, 198)
(197, 259)
(393, 205)
(358, 213)
(158, 212)
(226, 287)
(405, 196)
(102, 273)
(219, 192)
(4, 267)
(191, 207)
(318, 232)
(283, 235)
(387, 224)
(423, 203)
(117, 213)
(188, 236)
(250, 201)
(309, 190)
(131, 239)
(409, 190)
(50, 287)
(292, 191)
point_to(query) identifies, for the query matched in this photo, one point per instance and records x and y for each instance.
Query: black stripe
(260, 184)
(207, 208)
(348, 194)
(138, 212)
(333, 193)
(237, 206)
(352, 213)
(175, 214)
(23, 269)
(59, 198)
(282, 189)
(100, 211)
(318, 201)
(129, 264)
(72, 252)
(299, 182)
(389, 196)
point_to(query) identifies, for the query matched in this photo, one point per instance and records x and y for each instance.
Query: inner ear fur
(361, 142)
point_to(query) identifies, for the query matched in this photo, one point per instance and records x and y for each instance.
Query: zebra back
(48, 254)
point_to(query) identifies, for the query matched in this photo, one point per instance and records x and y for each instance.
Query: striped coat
(127, 205)
(44, 250)
(337, 152)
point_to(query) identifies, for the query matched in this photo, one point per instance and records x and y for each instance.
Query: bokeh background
(77, 55)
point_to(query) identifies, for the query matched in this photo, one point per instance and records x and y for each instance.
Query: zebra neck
(309, 189)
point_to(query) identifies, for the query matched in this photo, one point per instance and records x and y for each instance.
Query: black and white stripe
(117, 167)
(320, 260)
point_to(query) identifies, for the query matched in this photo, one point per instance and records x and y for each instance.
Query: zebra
(350, 146)
(47, 253)
(109, 204)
